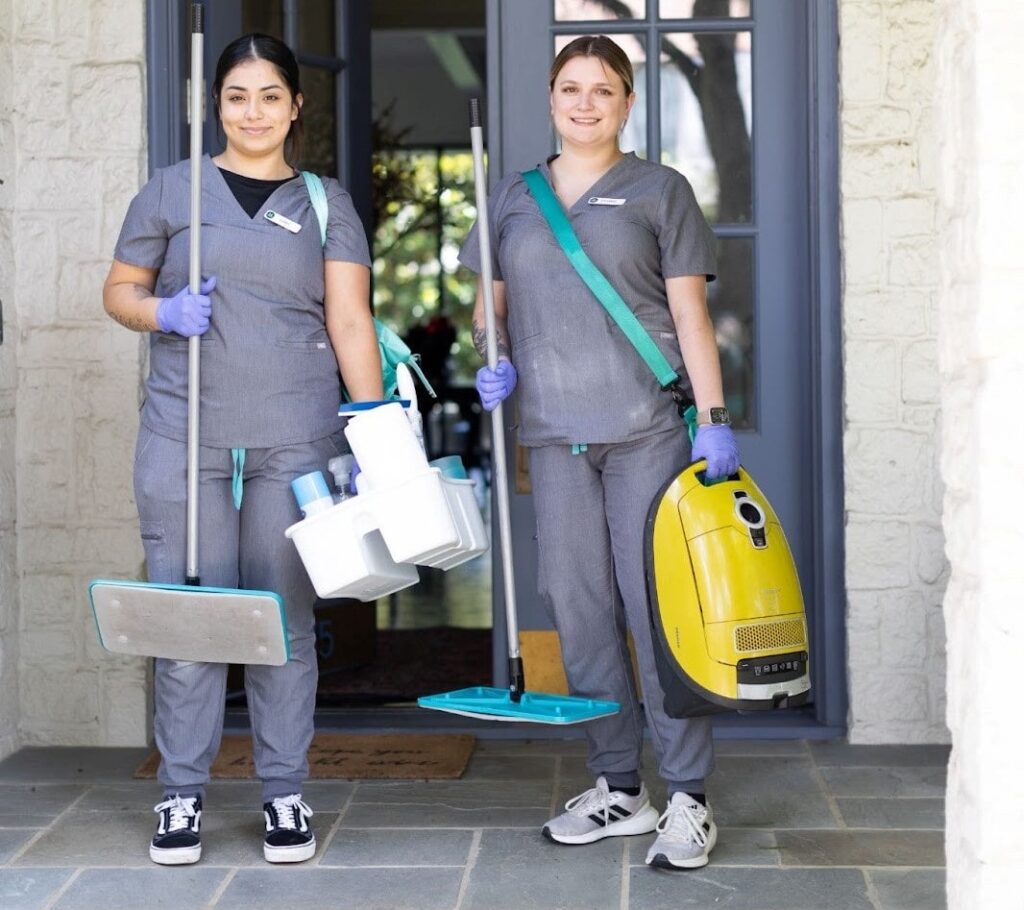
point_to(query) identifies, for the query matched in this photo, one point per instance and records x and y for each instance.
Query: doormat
(334, 756)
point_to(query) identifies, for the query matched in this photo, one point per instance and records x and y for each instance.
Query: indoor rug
(352, 757)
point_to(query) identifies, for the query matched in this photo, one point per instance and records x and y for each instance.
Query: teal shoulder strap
(318, 198)
(393, 350)
(594, 279)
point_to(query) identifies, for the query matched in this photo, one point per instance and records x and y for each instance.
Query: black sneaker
(176, 842)
(289, 838)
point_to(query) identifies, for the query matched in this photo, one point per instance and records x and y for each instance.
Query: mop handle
(196, 161)
(500, 474)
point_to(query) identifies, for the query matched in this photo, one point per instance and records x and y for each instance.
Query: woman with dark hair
(279, 314)
(602, 435)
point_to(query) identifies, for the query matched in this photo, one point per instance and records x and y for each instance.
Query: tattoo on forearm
(480, 341)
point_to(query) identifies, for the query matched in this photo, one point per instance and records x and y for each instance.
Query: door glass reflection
(731, 303)
(704, 9)
(319, 88)
(706, 119)
(596, 10)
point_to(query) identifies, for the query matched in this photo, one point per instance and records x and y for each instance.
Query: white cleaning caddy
(407, 514)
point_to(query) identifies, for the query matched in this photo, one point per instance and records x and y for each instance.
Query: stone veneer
(8, 391)
(896, 570)
(73, 146)
(981, 356)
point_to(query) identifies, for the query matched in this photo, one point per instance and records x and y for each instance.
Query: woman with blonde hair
(601, 433)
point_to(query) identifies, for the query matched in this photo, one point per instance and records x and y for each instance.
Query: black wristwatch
(715, 417)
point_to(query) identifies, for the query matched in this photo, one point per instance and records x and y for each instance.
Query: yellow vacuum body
(727, 613)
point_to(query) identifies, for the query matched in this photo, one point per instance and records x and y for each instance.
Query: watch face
(719, 415)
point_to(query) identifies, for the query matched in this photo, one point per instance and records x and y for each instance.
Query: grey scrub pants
(591, 511)
(237, 548)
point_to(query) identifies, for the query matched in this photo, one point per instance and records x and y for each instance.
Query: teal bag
(393, 350)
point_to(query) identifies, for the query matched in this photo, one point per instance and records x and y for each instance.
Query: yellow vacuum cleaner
(724, 599)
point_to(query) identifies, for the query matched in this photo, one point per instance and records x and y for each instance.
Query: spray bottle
(407, 391)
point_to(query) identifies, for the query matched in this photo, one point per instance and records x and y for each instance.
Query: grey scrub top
(269, 375)
(580, 380)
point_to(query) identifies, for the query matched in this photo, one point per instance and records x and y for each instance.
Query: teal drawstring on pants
(238, 463)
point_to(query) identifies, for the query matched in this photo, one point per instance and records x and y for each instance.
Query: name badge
(281, 221)
(605, 200)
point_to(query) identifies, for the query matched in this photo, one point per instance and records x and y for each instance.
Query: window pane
(316, 27)
(318, 91)
(634, 136)
(596, 10)
(731, 303)
(419, 288)
(263, 16)
(709, 9)
(706, 119)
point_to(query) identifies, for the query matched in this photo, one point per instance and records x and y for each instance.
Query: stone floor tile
(896, 782)
(861, 848)
(772, 747)
(30, 889)
(128, 796)
(909, 889)
(95, 838)
(519, 870)
(168, 888)
(353, 889)
(893, 813)
(449, 804)
(36, 805)
(397, 847)
(41, 764)
(836, 752)
(748, 889)
(768, 793)
(735, 847)
(511, 767)
(12, 840)
(575, 746)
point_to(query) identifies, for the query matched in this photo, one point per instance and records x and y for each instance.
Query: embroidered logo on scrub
(281, 221)
(605, 200)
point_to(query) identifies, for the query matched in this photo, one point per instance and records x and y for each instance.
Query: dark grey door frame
(512, 101)
(167, 46)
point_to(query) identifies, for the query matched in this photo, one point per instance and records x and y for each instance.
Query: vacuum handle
(194, 280)
(500, 472)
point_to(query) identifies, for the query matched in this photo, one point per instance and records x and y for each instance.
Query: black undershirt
(250, 192)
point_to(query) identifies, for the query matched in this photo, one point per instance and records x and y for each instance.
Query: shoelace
(682, 820)
(181, 810)
(284, 808)
(596, 799)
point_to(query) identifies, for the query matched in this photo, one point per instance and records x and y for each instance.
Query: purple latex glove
(494, 386)
(356, 471)
(716, 444)
(186, 314)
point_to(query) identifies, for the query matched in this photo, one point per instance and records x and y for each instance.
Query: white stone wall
(77, 149)
(896, 570)
(982, 364)
(8, 384)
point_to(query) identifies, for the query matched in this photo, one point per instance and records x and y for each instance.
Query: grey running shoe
(598, 813)
(176, 842)
(686, 835)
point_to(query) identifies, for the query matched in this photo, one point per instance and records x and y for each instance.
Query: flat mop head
(488, 703)
(184, 622)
